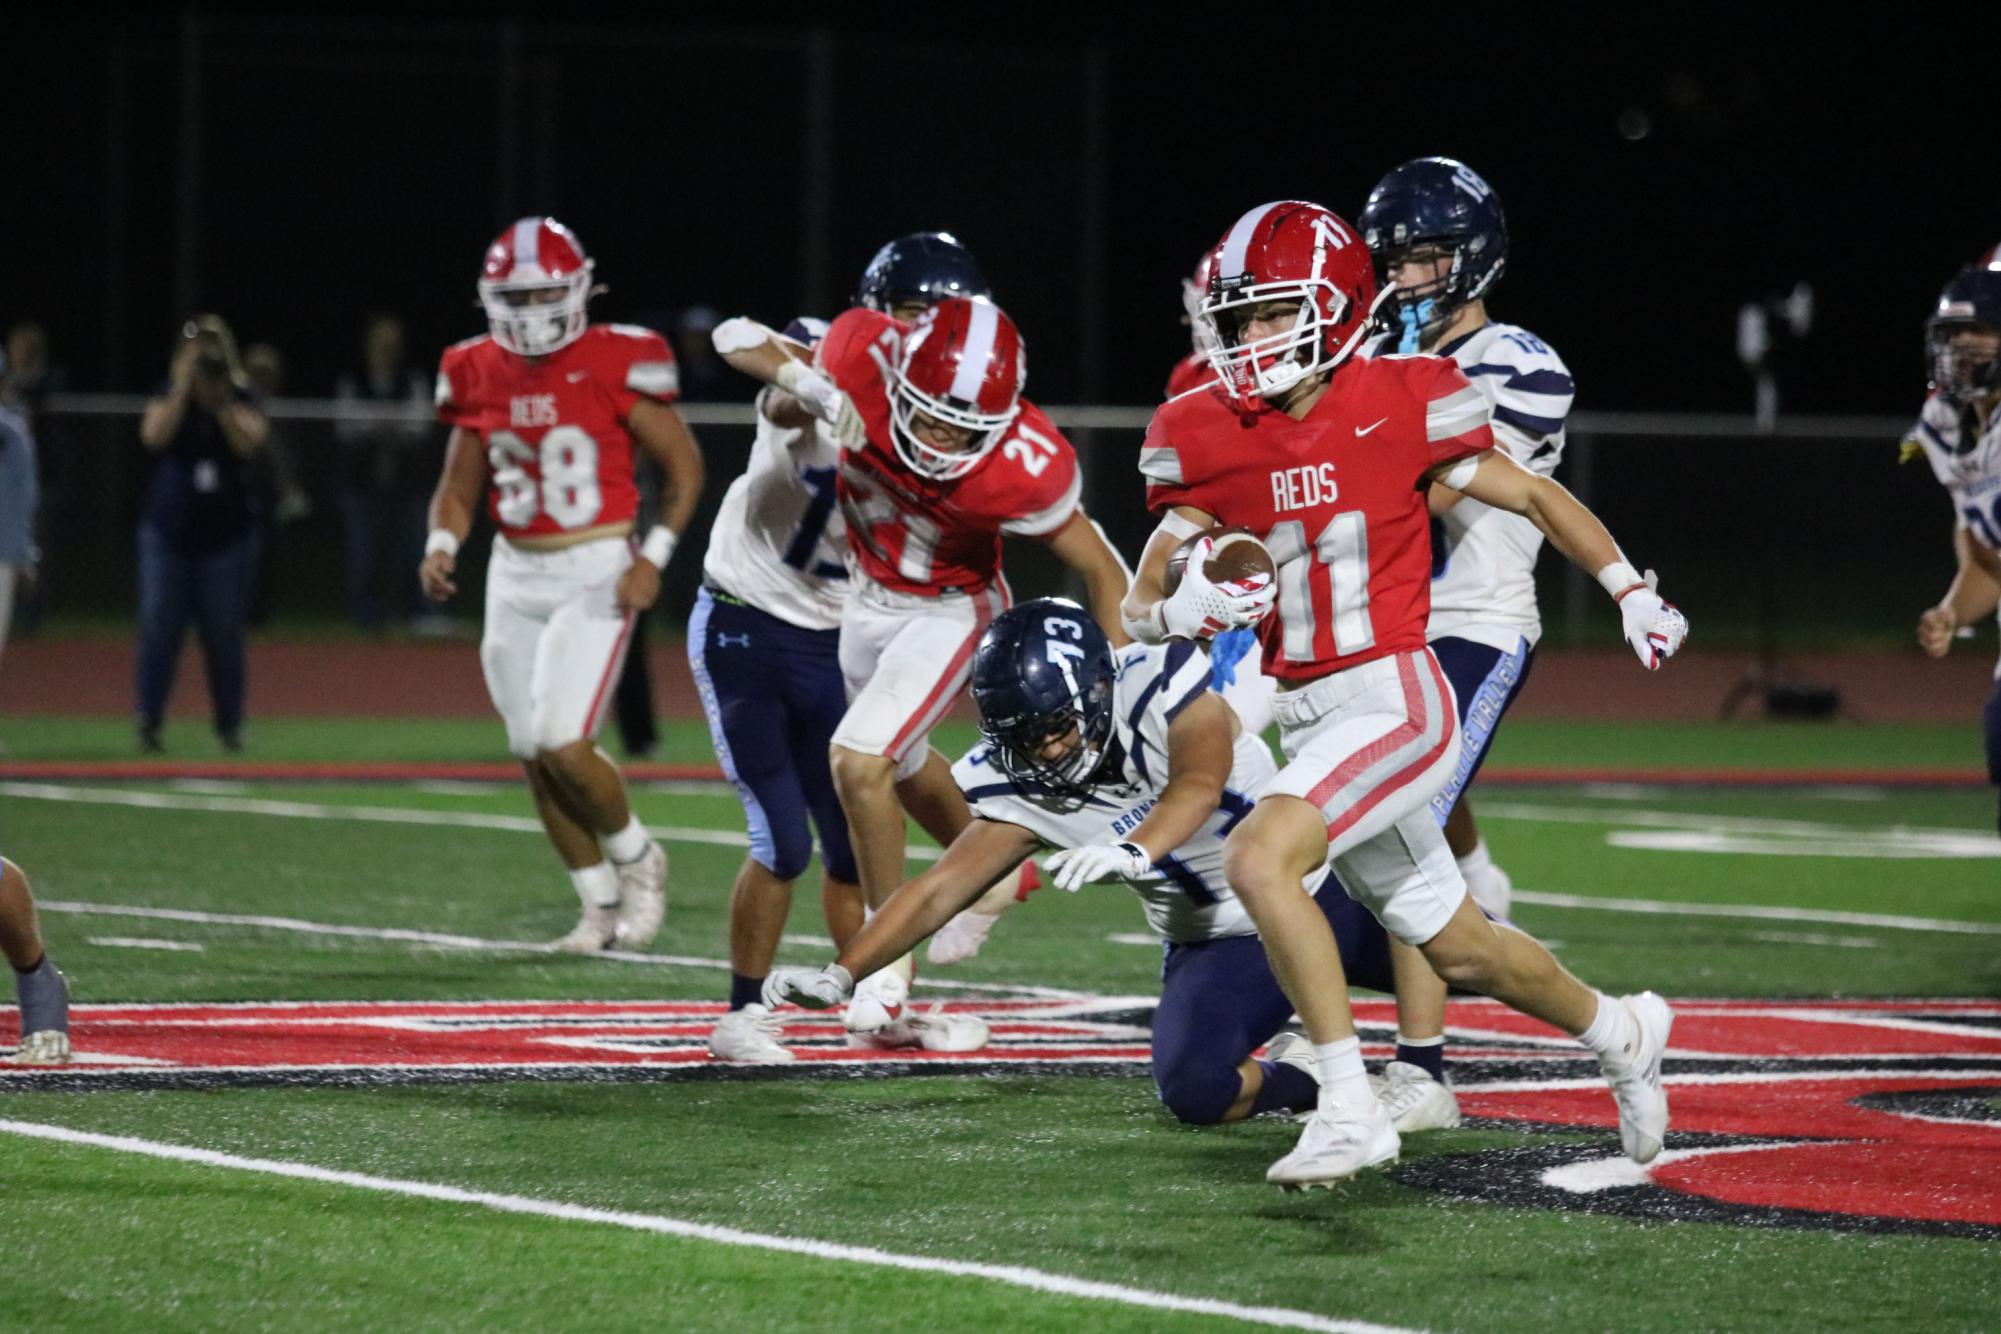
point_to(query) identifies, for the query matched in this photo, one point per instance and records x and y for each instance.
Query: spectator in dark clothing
(30, 376)
(386, 471)
(199, 525)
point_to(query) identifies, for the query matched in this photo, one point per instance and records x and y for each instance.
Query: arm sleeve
(1050, 499)
(647, 370)
(449, 396)
(1160, 466)
(1456, 415)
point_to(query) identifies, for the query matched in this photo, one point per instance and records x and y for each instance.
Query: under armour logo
(725, 641)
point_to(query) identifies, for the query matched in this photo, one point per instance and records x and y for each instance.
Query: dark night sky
(354, 163)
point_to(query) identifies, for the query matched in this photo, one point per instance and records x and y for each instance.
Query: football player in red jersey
(941, 458)
(547, 407)
(1328, 456)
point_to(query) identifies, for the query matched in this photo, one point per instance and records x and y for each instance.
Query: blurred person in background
(30, 376)
(199, 525)
(386, 468)
(19, 494)
(1959, 433)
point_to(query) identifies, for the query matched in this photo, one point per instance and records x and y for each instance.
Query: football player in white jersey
(1959, 433)
(1129, 763)
(1440, 240)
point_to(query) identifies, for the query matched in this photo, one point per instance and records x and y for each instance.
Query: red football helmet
(1287, 251)
(1194, 291)
(534, 284)
(961, 364)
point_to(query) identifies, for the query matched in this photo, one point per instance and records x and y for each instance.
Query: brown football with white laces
(1238, 555)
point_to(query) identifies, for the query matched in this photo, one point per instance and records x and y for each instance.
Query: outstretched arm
(788, 367)
(984, 852)
(1653, 628)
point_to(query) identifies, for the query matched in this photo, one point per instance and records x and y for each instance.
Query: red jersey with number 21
(1339, 498)
(915, 534)
(554, 427)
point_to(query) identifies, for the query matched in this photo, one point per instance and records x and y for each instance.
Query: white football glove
(1655, 628)
(823, 398)
(1199, 609)
(1076, 867)
(810, 988)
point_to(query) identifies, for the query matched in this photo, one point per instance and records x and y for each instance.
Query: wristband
(658, 546)
(1620, 578)
(441, 539)
(788, 375)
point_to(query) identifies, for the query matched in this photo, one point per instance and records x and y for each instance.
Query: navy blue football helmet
(1041, 669)
(923, 266)
(1972, 300)
(1436, 201)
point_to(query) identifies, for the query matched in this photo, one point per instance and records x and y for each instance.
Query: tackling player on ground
(1129, 764)
(1440, 241)
(1959, 434)
(39, 986)
(1328, 457)
(941, 458)
(548, 408)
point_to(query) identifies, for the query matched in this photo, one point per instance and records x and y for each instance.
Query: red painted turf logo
(1883, 1115)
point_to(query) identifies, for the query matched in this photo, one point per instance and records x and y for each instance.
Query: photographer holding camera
(199, 525)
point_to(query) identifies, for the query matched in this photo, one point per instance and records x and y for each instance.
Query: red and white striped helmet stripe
(528, 243)
(1236, 246)
(979, 350)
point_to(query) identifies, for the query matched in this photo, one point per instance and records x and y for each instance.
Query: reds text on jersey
(554, 427)
(917, 535)
(1339, 498)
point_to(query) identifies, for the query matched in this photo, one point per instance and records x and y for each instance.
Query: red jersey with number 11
(916, 534)
(554, 427)
(1339, 498)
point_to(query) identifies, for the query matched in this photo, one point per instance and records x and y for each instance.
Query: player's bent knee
(856, 772)
(1198, 1093)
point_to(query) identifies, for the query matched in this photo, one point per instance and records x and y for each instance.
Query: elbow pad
(738, 334)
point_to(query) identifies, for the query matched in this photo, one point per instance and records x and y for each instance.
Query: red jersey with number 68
(1339, 498)
(916, 534)
(554, 427)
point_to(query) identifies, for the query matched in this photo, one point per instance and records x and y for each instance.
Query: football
(1238, 555)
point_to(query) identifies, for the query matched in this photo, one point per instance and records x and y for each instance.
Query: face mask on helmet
(1060, 751)
(535, 318)
(1964, 359)
(909, 406)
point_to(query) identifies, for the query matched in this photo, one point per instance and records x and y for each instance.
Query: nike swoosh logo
(1361, 431)
(575, 376)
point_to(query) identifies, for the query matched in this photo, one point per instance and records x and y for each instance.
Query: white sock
(628, 844)
(1475, 863)
(1613, 1034)
(1344, 1080)
(597, 885)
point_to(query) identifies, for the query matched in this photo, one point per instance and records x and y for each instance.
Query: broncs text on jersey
(1302, 487)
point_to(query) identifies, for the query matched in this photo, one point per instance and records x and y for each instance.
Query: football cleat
(642, 890)
(960, 939)
(1336, 1144)
(750, 1036)
(934, 1031)
(1414, 1100)
(1636, 1078)
(48, 1047)
(596, 930)
(877, 1002)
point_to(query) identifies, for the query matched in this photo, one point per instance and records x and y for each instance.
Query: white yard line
(1697, 820)
(447, 940)
(145, 943)
(1035, 1280)
(1763, 913)
(309, 810)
